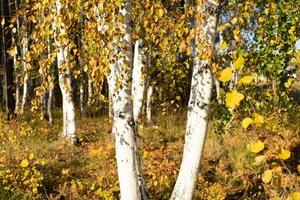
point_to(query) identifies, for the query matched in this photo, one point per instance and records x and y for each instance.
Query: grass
(88, 171)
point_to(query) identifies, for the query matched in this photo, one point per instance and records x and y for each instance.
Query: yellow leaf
(246, 79)
(160, 12)
(24, 163)
(296, 195)
(2, 21)
(14, 30)
(288, 83)
(31, 156)
(276, 170)
(259, 159)
(258, 119)
(247, 122)
(257, 147)
(85, 68)
(267, 176)
(233, 99)
(226, 75)
(284, 154)
(298, 169)
(261, 19)
(239, 63)
(223, 46)
(291, 30)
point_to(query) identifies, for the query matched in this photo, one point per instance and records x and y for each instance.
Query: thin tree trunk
(26, 75)
(198, 110)
(138, 79)
(149, 105)
(64, 75)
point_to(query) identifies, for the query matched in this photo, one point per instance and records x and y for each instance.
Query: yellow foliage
(239, 63)
(246, 79)
(267, 176)
(258, 119)
(24, 163)
(223, 46)
(233, 99)
(226, 75)
(247, 122)
(284, 154)
(257, 146)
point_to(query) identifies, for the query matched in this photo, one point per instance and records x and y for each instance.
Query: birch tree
(64, 74)
(199, 103)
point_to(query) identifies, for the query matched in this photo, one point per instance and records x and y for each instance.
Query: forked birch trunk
(198, 108)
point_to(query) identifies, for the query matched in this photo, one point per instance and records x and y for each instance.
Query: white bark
(149, 104)
(64, 75)
(90, 88)
(138, 80)
(81, 93)
(26, 75)
(124, 126)
(198, 111)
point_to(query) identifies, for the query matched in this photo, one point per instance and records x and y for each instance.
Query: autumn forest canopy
(150, 99)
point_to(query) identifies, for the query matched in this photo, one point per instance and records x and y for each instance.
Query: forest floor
(34, 165)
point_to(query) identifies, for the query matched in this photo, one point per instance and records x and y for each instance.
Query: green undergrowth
(35, 165)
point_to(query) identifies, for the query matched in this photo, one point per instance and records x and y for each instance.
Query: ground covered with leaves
(260, 162)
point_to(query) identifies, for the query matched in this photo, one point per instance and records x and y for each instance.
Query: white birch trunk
(198, 112)
(138, 80)
(64, 75)
(124, 126)
(90, 88)
(26, 76)
(81, 98)
(149, 105)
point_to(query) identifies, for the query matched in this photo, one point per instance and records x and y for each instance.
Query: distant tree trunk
(198, 109)
(64, 75)
(81, 98)
(90, 89)
(9, 68)
(138, 79)
(26, 71)
(149, 104)
(3, 59)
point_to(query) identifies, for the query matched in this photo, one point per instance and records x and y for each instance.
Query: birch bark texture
(138, 79)
(64, 75)
(124, 125)
(199, 106)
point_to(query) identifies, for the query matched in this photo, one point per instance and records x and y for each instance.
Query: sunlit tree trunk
(90, 89)
(124, 126)
(138, 79)
(26, 75)
(198, 108)
(64, 75)
(149, 104)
